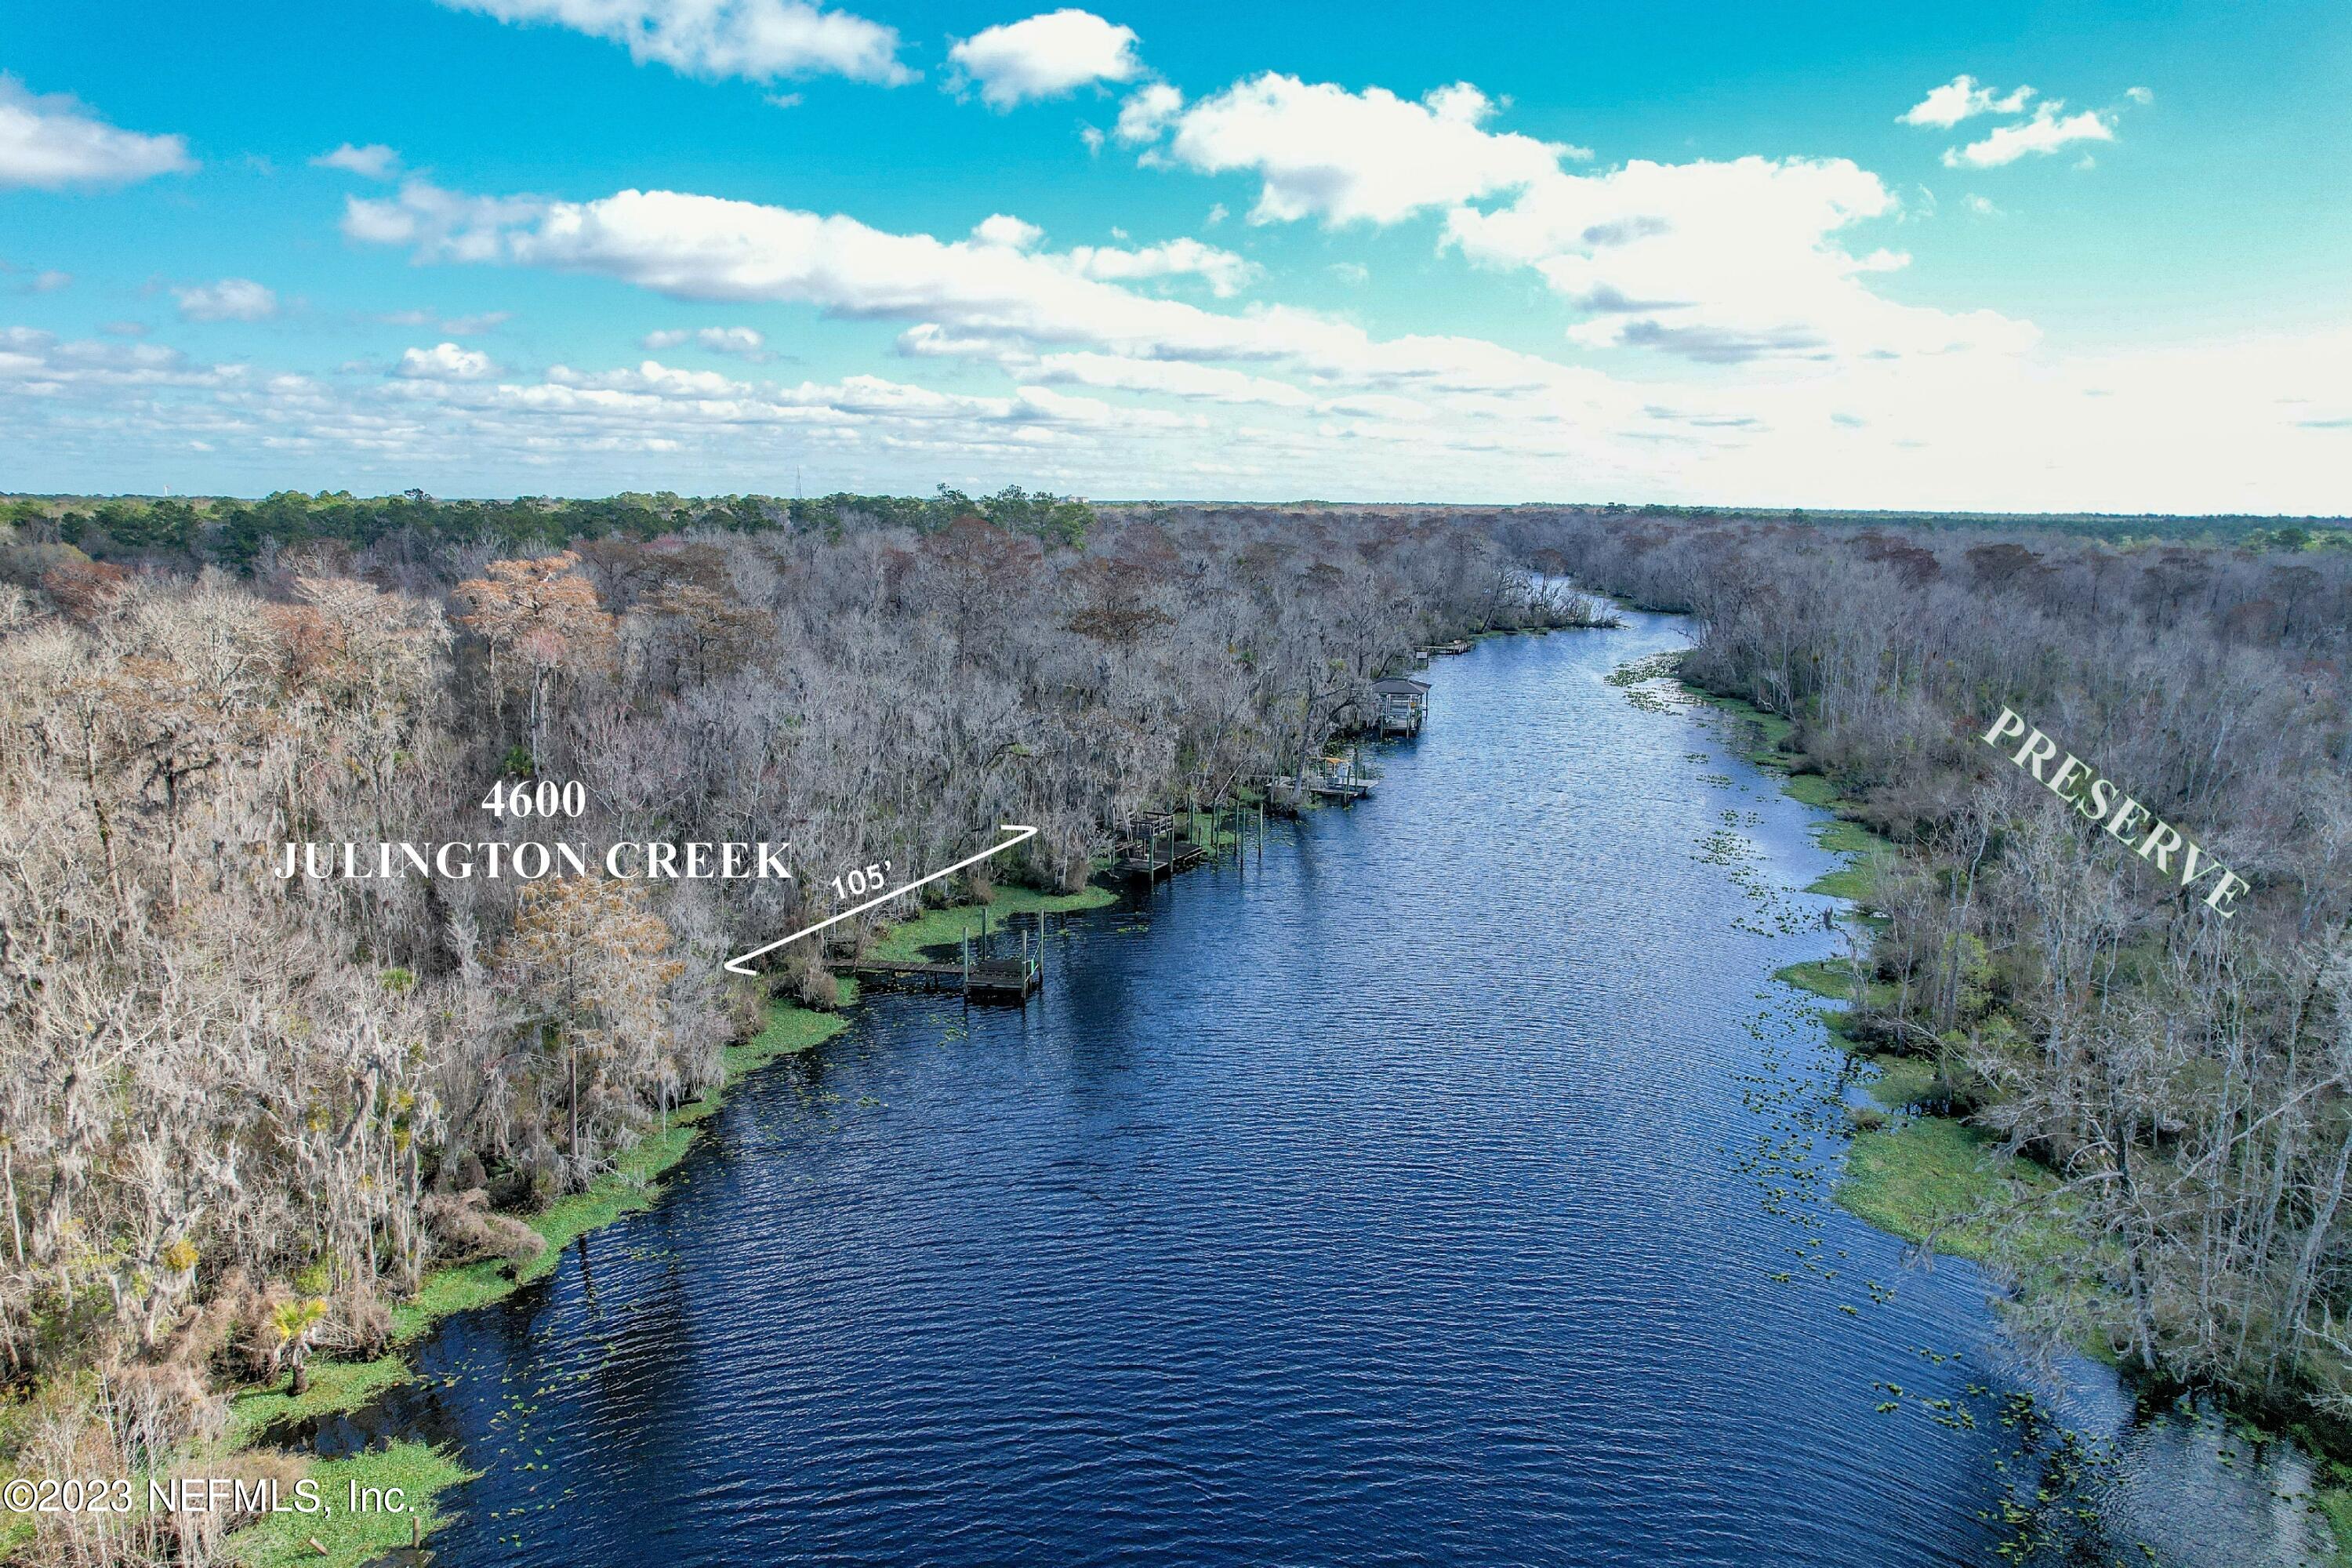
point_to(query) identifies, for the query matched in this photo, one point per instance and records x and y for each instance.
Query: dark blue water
(1415, 1196)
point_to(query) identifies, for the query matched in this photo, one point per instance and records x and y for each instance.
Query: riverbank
(1912, 1170)
(340, 1387)
(898, 1330)
(1385, 1127)
(423, 1472)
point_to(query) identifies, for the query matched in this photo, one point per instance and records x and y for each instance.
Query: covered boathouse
(1399, 704)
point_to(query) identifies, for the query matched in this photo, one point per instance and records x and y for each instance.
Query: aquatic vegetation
(1648, 668)
(1926, 1175)
(1649, 682)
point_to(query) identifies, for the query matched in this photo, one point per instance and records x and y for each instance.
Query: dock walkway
(992, 977)
(979, 973)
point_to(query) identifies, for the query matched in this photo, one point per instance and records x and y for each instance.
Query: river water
(1449, 1186)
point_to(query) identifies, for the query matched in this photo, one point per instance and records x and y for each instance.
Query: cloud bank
(51, 143)
(759, 40)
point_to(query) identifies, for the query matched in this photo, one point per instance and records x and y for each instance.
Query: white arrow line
(736, 965)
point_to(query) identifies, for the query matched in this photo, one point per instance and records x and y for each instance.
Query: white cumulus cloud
(461, 228)
(38, 363)
(230, 300)
(710, 248)
(1005, 229)
(1146, 112)
(1963, 98)
(756, 39)
(1045, 57)
(374, 162)
(743, 342)
(1323, 152)
(1226, 273)
(964, 297)
(52, 142)
(445, 361)
(1720, 261)
(653, 377)
(2049, 129)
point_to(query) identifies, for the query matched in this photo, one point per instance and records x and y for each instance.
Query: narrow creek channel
(1452, 1186)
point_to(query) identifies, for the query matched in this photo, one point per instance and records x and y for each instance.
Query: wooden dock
(977, 972)
(1155, 849)
(1153, 861)
(1346, 790)
(1344, 779)
(995, 978)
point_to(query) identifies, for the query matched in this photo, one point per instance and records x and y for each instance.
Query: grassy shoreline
(1911, 1172)
(422, 1471)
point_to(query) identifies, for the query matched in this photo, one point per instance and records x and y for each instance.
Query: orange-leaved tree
(542, 619)
(588, 958)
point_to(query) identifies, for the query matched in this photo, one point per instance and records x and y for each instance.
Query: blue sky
(1985, 257)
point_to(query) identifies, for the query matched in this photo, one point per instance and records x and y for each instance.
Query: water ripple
(1389, 1202)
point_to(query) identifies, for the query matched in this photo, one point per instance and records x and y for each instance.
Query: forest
(245, 535)
(245, 1117)
(2182, 1077)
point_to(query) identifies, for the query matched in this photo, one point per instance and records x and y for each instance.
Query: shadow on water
(1451, 1186)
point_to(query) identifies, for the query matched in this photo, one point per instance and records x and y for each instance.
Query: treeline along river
(1451, 1186)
